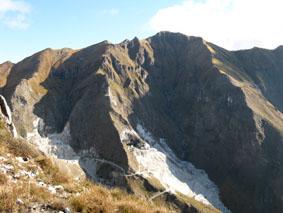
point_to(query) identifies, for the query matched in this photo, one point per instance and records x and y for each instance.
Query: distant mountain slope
(180, 101)
(5, 69)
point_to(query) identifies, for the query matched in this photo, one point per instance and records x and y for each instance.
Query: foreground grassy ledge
(31, 181)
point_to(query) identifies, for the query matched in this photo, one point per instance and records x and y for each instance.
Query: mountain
(177, 111)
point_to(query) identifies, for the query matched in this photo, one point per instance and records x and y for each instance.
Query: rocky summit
(174, 111)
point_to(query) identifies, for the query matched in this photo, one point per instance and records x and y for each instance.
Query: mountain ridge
(218, 109)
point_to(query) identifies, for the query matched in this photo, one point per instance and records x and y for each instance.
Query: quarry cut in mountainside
(177, 111)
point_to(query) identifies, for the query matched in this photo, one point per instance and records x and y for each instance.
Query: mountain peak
(7, 63)
(173, 110)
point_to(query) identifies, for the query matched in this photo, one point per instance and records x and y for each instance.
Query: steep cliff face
(160, 108)
(6, 116)
(257, 72)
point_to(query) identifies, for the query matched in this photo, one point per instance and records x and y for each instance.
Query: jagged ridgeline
(184, 115)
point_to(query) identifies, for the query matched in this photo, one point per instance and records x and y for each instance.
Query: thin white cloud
(233, 24)
(110, 12)
(14, 13)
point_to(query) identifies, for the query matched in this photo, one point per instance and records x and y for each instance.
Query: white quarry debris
(57, 146)
(2, 159)
(51, 189)
(67, 210)
(157, 160)
(113, 99)
(5, 168)
(19, 173)
(88, 163)
(19, 202)
(8, 115)
(24, 173)
(21, 160)
(7, 108)
(41, 183)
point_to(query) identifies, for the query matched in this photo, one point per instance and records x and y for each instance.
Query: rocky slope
(175, 110)
(31, 182)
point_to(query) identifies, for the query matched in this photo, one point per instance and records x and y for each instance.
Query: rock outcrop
(6, 116)
(206, 115)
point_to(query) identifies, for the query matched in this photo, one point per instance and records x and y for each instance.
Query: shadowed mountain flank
(78, 93)
(212, 118)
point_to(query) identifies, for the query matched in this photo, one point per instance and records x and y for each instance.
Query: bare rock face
(6, 116)
(182, 102)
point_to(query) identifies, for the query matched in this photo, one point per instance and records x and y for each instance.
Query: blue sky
(75, 24)
(28, 26)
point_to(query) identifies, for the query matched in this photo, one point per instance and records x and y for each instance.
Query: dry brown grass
(8, 197)
(16, 147)
(101, 199)
(7, 202)
(9, 192)
(4, 136)
(19, 147)
(58, 204)
(94, 200)
(38, 194)
(52, 173)
(77, 187)
(198, 205)
(28, 193)
(3, 179)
